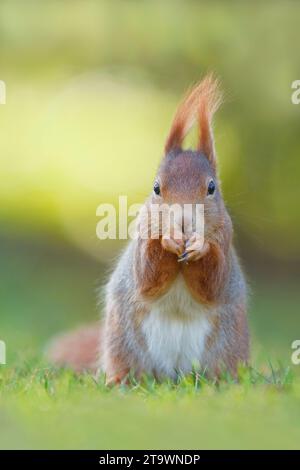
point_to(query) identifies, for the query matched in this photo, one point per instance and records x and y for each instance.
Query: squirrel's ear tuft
(210, 101)
(184, 118)
(200, 102)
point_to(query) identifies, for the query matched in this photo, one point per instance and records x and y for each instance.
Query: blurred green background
(91, 90)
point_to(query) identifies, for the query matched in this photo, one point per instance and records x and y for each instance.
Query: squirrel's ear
(184, 118)
(200, 102)
(210, 100)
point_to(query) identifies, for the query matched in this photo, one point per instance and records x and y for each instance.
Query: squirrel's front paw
(195, 249)
(173, 244)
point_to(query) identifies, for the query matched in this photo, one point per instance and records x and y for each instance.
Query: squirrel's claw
(172, 245)
(195, 249)
(182, 257)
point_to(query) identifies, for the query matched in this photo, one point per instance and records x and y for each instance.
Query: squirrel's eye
(156, 188)
(211, 187)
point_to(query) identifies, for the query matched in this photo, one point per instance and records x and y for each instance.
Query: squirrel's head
(186, 176)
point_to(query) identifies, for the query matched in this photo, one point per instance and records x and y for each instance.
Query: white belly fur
(175, 331)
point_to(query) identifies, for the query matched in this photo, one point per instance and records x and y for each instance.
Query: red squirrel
(172, 301)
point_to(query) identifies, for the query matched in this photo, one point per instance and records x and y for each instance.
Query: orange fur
(201, 102)
(155, 268)
(210, 101)
(205, 277)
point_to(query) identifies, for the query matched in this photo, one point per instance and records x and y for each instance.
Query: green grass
(45, 408)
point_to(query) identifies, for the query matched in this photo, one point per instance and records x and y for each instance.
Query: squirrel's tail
(78, 349)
